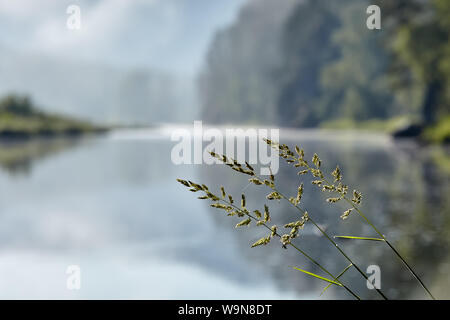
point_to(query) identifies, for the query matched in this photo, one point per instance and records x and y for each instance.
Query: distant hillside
(20, 119)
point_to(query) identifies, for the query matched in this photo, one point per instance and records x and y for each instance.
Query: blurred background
(86, 117)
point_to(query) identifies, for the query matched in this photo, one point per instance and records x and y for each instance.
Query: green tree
(307, 48)
(355, 84)
(419, 36)
(18, 105)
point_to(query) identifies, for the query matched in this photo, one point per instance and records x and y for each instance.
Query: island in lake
(19, 118)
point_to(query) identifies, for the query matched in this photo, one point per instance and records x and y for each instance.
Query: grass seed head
(274, 230)
(285, 240)
(316, 160)
(337, 174)
(261, 242)
(333, 200)
(255, 181)
(346, 214)
(357, 196)
(266, 214)
(243, 201)
(245, 222)
(222, 189)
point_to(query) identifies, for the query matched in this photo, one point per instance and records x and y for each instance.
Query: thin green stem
(287, 154)
(390, 246)
(361, 214)
(381, 235)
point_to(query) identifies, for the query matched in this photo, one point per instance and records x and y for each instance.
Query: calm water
(111, 205)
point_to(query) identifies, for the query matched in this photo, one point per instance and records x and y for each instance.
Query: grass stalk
(328, 238)
(296, 248)
(410, 269)
(290, 158)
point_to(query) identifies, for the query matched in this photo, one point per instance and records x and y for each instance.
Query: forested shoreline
(315, 63)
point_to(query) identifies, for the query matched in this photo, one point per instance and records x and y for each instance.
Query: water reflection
(111, 205)
(17, 156)
(404, 193)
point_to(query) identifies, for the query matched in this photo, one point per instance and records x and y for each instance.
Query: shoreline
(11, 135)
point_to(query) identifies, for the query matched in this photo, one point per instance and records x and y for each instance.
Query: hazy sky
(165, 34)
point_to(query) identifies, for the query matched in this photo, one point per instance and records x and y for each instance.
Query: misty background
(128, 60)
(86, 118)
(291, 63)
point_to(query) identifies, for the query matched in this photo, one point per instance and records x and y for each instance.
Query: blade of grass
(318, 277)
(359, 238)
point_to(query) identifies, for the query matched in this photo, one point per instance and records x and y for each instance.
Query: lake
(111, 205)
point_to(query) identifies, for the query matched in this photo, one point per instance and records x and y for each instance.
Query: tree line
(302, 63)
